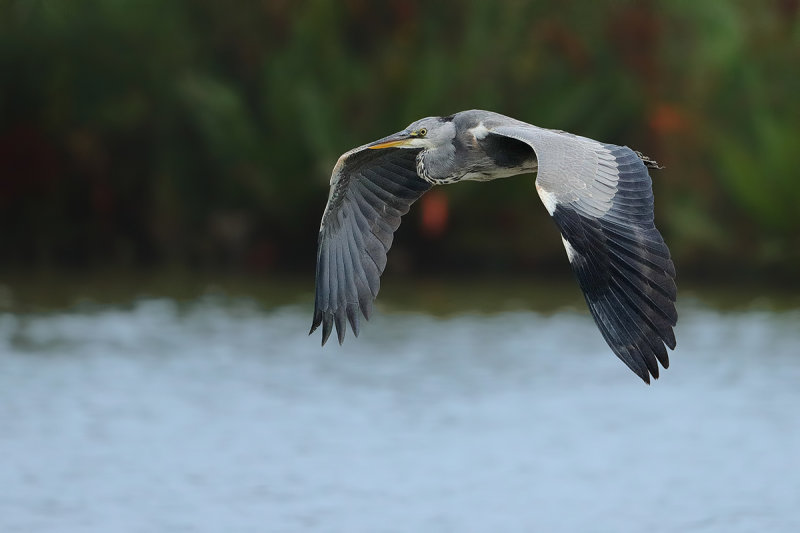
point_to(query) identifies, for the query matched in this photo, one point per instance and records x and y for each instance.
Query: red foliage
(435, 213)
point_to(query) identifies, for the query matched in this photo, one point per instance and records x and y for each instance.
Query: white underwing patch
(571, 253)
(548, 199)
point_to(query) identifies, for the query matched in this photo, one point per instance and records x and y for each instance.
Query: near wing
(601, 198)
(370, 191)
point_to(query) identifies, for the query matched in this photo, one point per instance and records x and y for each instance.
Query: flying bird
(599, 195)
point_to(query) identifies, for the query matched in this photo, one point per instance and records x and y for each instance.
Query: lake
(212, 410)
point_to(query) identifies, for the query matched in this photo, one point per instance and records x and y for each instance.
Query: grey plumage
(599, 195)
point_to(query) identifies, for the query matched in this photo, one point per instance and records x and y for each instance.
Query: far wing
(601, 198)
(370, 191)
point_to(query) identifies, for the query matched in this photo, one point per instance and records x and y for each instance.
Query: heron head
(429, 132)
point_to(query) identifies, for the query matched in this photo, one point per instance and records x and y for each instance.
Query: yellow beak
(398, 139)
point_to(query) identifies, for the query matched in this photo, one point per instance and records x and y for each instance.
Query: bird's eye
(422, 132)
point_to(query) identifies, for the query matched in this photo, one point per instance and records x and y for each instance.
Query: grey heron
(599, 195)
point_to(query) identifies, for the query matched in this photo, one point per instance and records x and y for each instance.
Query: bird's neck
(438, 165)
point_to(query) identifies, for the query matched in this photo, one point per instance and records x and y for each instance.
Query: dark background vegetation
(201, 134)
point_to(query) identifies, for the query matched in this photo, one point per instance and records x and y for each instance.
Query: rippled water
(220, 414)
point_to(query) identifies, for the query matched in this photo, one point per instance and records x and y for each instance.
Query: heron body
(599, 195)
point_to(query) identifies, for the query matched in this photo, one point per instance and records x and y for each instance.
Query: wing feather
(600, 196)
(370, 191)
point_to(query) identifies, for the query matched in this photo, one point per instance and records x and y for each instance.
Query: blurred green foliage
(199, 132)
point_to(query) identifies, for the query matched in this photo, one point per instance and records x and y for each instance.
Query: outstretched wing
(601, 198)
(370, 191)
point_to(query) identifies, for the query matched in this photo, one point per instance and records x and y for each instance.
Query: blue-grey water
(219, 413)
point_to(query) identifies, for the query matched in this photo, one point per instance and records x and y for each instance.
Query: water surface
(217, 413)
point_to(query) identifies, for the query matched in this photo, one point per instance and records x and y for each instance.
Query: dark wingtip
(644, 374)
(366, 307)
(352, 317)
(670, 340)
(341, 324)
(327, 325)
(315, 322)
(647, 366)
(636, 364)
